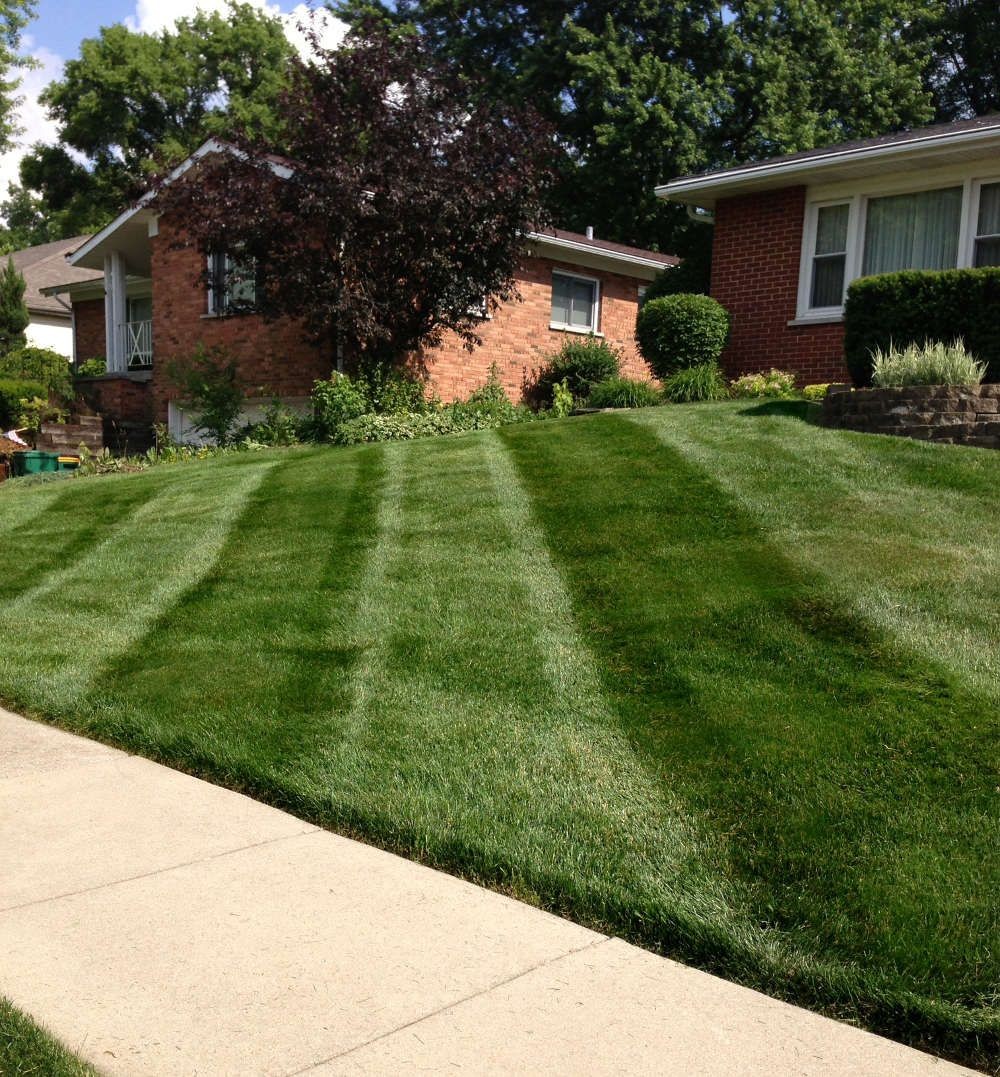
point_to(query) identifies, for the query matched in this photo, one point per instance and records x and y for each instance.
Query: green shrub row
(893, 310)
(13, 392)
(42, 366)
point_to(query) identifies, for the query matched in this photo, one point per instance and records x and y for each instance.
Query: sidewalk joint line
(162, 871)
(451, 1005)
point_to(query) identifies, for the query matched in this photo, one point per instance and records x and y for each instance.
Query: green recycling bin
(33, 462)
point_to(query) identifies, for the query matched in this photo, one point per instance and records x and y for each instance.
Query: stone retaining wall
(965, 415)
(68, 437)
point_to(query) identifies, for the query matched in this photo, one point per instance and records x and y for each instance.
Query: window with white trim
(987, 242)
(829, 256)
(949, 225)
(575, 303)
(232, 287)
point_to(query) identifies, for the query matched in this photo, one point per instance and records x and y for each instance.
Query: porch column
(114, 311)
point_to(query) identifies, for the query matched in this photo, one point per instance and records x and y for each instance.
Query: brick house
(147, 306)
(791, 233)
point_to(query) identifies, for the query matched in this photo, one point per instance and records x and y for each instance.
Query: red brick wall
(88, 319)
(518, 338)
(755, 275)
(275, 359)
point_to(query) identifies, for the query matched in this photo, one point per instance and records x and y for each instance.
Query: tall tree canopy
(14, 17)
(131, 99)
(397, 209)
(965, 74)
(642, 90)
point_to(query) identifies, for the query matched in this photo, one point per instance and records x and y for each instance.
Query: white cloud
(152, 15)
(37, 127)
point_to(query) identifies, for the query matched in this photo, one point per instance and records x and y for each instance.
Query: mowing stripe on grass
(260, 679)
(476, 735)
(781, 716)
(881, 531)
(108, 598)
(20, 504)
(64, 529)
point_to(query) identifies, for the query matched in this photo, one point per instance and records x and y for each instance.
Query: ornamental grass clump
(930, 363)
(694, 384)
(623, 393)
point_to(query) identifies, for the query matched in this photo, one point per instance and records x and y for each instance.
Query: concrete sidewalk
(161, 925)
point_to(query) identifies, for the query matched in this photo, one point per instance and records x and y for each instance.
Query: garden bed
(966, 415)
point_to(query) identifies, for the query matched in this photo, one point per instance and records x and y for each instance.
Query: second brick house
(148, 307)
(792, 232)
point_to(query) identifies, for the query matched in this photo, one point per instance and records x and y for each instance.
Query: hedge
(916, 306)
(12, 392)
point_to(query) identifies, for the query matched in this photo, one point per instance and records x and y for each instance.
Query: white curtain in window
(913, 231)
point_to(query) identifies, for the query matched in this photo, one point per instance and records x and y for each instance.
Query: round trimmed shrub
(679, 331)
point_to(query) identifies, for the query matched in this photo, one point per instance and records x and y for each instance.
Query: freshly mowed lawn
(708, 677)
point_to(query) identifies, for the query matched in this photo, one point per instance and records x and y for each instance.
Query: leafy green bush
(933, 363)
(695, 383)
(94, 367)
(623, 393)
(41, 365)
(13, 393)
(335, 402)
(914, 306)
(279, 426)
(209, 379)
(392, 391)
(815, 392)
(678, 331)
(486, 408)
(774, 385)
(581, 364)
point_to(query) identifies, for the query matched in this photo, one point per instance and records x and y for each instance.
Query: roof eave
(704, 190)
(646, 267)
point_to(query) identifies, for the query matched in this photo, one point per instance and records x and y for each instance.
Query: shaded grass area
(590, 663)
(29, 1051)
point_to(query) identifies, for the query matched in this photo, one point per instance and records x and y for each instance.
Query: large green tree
(133, 101)
(14, 17)
(643, 90)
(965, 74)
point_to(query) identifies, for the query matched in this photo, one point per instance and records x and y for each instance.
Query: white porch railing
(137, 345)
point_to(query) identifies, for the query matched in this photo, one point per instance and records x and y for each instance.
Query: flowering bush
(775, 384)
(815, 392)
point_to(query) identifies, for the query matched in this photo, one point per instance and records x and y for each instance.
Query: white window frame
(595, 326)
(805, 310)
(856, 225)
(972, 218)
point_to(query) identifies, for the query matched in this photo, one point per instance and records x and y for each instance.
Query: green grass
(29, 1051)
(707, 677)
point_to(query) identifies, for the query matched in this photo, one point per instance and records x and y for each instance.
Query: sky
(55, 36)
